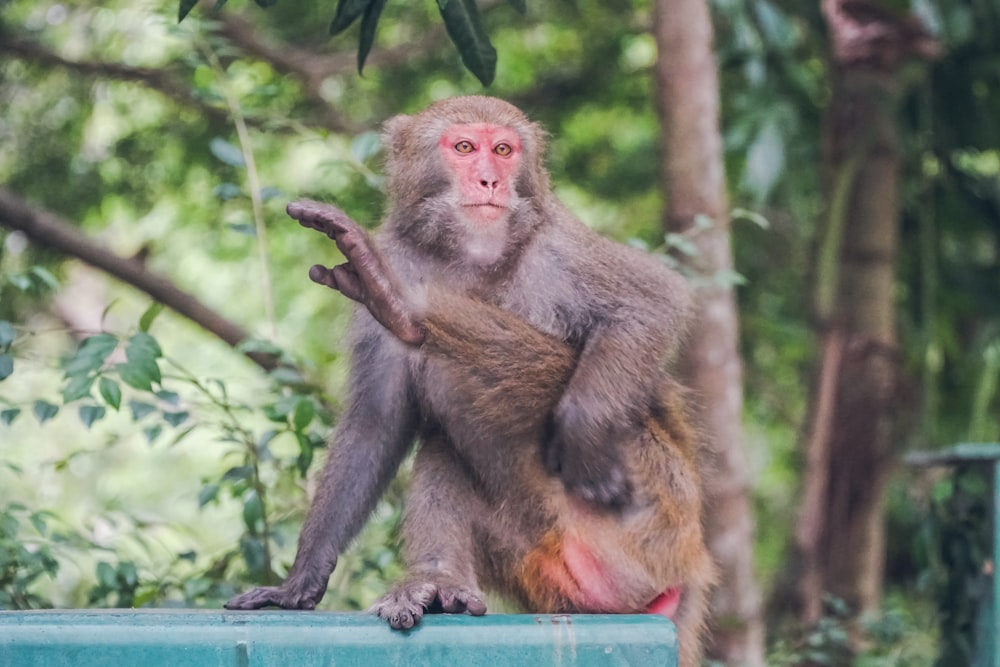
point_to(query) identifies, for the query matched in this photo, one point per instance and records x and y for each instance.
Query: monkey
(526, 353)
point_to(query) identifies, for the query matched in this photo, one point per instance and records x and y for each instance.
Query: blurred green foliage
(177, 471)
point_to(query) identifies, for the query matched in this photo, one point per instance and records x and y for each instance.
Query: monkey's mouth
(485, 205)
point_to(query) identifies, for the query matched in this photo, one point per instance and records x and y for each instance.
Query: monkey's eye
(503, 150)
(464, 147)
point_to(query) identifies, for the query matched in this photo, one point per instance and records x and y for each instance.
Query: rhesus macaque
(526, 354)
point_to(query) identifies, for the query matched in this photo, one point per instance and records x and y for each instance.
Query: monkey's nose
(490, 185)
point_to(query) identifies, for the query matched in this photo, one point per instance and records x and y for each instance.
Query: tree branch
(160, 80)
(48, 229)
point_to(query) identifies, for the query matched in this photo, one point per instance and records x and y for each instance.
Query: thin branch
(160, 80)
(48, 229)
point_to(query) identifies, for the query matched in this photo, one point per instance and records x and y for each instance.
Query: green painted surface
(199, 638)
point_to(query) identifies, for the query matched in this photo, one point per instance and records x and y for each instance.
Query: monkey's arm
(635, 316)
(372, 437)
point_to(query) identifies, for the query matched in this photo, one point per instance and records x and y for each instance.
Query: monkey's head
(464, 176)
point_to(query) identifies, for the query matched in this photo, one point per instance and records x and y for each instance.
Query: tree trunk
(854, 434)
(694, 189)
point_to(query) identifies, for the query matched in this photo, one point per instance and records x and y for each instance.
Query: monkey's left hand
(584, 457)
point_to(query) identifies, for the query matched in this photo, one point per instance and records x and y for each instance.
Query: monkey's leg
(438, 544)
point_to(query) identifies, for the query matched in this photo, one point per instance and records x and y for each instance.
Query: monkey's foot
(275, 596)
(364, 278)
(405, 605)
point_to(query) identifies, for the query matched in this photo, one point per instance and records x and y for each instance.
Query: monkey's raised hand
(364, 277)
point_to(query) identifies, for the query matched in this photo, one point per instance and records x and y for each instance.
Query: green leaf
(169, 397)
(369, 23)
(151, 313)
(77, 387)
(226, 152)
(110, 392)
(185, 8)
(143, 345)
(464, 25)
(238, 473)
(140, 409)
(138, 374)
(44, 411)
(305, 457)
(45, 277)
(253, 510)
(152, 433)
(7, 334)
(269, 192)
(91, 413)
(91, 354)
(6, 366)
(106, 575)
(303, 414)
(520, 5)
(209, 493)
(347, 12)
(244, 228)
(8, 416)
(176, 418)
(266, 3)
(227, 191)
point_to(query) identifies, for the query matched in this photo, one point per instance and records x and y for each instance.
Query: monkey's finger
(348, 282)
(322, 217)
(461, 600)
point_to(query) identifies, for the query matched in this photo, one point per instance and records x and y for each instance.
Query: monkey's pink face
(483, 159)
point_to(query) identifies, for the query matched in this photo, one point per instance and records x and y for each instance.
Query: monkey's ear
(394, 131)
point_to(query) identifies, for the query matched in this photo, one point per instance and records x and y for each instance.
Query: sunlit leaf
(226, 152)
(151, 313)
(347, 12)
(91, 413)
(765, 161)
(369, 24)
(45, 277)
(365, 145)
(464, 25)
